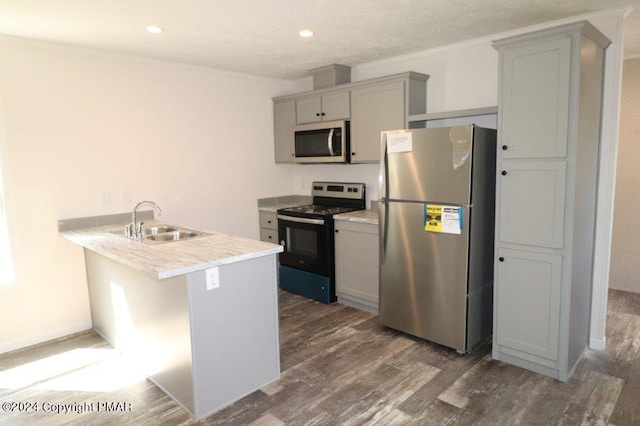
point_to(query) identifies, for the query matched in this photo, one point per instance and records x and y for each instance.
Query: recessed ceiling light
(305, 33)
(154, 30)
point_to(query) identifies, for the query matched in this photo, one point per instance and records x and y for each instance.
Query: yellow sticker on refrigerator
(442, 219)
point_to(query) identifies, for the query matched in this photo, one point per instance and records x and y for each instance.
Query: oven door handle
(301, 219)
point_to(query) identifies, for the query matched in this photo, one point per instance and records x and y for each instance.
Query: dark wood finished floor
(339, 367)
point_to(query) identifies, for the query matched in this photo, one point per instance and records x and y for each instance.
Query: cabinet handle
(336, 231)
(501, 259)
(323, 114)
(269, 237)
(353, 153)
(317, 114)
(504, 173)
(504, 147)
(268, 221)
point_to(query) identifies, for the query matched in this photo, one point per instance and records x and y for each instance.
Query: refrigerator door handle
(384, 168)
(383, 225)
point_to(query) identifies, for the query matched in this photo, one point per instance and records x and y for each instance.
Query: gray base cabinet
(550, 105)
(268, 227)
(356, 254)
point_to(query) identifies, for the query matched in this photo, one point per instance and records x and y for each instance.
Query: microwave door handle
(330, 142)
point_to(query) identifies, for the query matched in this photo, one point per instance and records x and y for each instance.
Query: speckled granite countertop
(274, 208)
(173, 258)
(363, 216)
(272, 204)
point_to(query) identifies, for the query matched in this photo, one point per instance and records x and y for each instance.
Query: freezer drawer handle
(501, 259)
(504, 173)
(504, 147)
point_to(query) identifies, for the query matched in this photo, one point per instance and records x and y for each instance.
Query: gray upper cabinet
(376, 107)
(372, 106)
(383, 104)
(284, 122)
(327, 107)
(550, 107)
(540, 74)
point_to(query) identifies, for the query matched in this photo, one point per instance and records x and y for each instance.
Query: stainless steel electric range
(307, 264)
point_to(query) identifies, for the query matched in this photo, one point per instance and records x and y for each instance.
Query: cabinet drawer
(268, 220)
(269, 235)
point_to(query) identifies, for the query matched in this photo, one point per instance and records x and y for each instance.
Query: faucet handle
(128, 230)
(139, 229)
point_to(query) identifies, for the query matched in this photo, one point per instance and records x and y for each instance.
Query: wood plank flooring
(340, 367)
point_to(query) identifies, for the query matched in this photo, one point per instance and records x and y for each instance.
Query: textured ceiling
(259, 37)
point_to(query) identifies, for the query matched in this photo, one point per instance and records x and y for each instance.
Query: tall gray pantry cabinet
(550, 105)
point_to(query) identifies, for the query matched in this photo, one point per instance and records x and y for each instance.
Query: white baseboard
(43, 337)
(597, 344)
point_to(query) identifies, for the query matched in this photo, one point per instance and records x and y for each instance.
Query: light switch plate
(213, 278)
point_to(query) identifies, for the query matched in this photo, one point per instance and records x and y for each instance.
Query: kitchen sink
(158, 229)
(176, 235)
(156, 234)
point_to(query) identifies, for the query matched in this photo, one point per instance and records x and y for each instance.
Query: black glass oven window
(303, 242)
(315, 143)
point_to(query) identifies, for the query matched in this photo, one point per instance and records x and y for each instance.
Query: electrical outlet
(105, 199)
(213, 278)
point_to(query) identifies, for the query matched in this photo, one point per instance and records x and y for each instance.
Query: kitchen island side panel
(146, 319)
(234, 328)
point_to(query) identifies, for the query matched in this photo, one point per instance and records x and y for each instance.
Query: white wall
(462, 76)
(625, 249)
(77, 124)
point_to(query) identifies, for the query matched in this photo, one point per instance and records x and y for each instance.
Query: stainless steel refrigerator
(436, 218)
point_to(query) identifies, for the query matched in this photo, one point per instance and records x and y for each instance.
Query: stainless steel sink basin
(156, 234)
(157, 229)
(173, 236)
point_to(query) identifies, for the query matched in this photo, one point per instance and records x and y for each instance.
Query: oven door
(305, 244)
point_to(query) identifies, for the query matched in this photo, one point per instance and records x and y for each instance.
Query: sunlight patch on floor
(84, 369)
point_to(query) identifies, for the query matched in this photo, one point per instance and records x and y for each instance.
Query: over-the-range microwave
(326, 142)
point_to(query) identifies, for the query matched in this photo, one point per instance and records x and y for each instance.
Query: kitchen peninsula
(200, 316)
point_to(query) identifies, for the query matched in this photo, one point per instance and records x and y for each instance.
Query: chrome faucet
(134, 229)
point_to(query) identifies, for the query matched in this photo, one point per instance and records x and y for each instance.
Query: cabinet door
(356, 254)
(375, 108)
(284, 121)
(308, 110)
(528, 302)
(336, 106)
(531, 202)
(534, 104)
